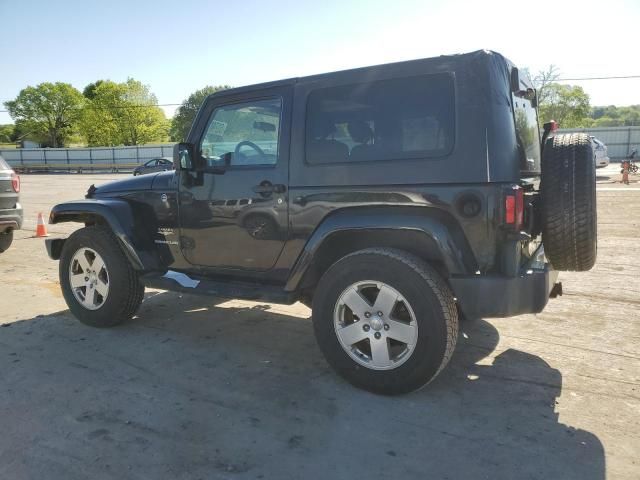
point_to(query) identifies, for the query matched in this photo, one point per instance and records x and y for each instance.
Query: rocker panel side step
(180, 282)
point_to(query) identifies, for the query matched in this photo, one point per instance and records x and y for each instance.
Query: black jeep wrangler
(392, 200)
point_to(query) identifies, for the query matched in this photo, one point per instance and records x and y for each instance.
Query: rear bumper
(482, 296)
(11, 218)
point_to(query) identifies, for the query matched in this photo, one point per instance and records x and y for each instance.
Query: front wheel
(98, 282)
(385, 320)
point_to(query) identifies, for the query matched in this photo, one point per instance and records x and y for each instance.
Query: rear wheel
(385, 320)
(568, 191)
(98, 282)
(6, 239)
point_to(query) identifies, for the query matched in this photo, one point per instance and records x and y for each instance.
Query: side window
(409, 117)
(243, 134)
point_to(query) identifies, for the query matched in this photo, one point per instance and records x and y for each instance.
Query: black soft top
(486, 147)
(499, 65)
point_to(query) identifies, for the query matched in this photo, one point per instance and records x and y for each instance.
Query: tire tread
(110, 314)
(425, 368)
(569, 222)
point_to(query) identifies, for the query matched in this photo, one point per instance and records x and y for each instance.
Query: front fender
(115, 213)
(440, 230)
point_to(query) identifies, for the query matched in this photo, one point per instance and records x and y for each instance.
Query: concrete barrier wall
(109, 158)
(619, 140)
(100, 157)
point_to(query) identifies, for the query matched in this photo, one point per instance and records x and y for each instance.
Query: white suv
(600, 152)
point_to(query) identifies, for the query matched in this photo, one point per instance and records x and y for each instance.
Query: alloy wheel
(375, 325)
(89, 278)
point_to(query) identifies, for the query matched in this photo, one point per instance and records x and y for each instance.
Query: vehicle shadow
(604, 179)
(194, 388)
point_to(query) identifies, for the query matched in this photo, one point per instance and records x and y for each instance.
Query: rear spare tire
(568, 191)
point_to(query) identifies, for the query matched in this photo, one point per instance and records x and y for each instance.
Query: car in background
(10, 208)
(600, 152)
(154, 165)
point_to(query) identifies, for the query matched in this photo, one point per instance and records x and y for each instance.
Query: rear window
(385, 120)
(528, 135)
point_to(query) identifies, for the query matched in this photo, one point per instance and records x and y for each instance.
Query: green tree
(613, 116)
(566, 104)
(542, 80)
(90, 90)
(49, 112)
(122, 114)
(99, 124)
(6, 133)
(186, 113)
(142, 121)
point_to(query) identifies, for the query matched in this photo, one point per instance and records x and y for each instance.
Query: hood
(162, 180)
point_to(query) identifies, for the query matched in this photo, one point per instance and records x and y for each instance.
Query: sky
(177, 47)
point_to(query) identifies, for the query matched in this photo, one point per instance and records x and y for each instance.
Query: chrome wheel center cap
(376, 323)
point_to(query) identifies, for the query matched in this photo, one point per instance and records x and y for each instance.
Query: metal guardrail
(99, 158)
(619, 140)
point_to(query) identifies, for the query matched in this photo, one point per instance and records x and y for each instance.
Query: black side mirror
(516, 88)
(515, 80)
(214, 167)
(226, 159)
(183, 156)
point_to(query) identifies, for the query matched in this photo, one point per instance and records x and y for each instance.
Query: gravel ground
(206, 388)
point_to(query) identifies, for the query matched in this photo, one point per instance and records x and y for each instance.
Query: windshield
(528, 135)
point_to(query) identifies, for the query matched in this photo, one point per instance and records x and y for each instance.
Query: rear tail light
(514, 207)
(15, 182)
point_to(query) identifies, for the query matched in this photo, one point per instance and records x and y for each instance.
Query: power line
(597, 78)
(109, 107)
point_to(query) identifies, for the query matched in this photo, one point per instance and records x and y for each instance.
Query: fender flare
(439, 227)
(117, 214)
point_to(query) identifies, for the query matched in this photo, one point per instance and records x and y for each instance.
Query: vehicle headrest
(360, 131)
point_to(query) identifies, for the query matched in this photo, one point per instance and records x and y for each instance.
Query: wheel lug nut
(386, 326)
(379, 314)
(367, 314)
(377, 335)
(86, 279)
(366, 328)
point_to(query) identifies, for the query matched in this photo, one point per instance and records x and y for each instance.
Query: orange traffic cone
(41, 228)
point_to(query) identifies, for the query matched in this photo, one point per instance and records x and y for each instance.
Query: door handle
(266, 188)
